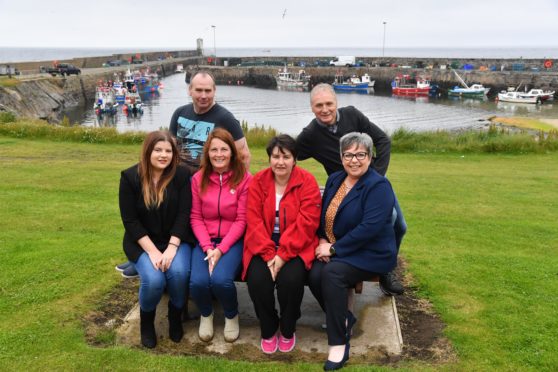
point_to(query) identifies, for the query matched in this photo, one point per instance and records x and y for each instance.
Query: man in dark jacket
(320, 140)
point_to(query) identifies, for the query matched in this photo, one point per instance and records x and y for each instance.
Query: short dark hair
(283, 142)
(203, 73)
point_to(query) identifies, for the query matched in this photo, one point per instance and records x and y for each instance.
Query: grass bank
(482, 246)
(492, 140)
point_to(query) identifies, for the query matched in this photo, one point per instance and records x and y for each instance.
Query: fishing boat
(353, 84)
(285, 78)
(473, 91)
(119, 91)
(403, 85)
(518, 97)
(366, 79)
(148, 82)
(544, 95)
(105, 102)
(133, 104)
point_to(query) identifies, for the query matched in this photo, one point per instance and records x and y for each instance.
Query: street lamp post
(384, 43)
(214, 46)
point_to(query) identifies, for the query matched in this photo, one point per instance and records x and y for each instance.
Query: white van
(348, 61)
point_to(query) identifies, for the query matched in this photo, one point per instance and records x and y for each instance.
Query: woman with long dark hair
(155, 202)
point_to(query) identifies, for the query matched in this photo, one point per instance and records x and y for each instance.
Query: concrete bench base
(376, 333)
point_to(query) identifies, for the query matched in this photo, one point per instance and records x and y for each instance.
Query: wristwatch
(332, 250)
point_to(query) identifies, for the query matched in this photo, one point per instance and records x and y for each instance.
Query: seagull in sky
(284, 13)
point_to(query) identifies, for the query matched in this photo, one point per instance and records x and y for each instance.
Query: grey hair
(322, 87)
(358, 139)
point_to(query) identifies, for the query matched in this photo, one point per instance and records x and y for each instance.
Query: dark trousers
(329, 283)
(290, 290)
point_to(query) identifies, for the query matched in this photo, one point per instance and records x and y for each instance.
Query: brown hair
(153, 195)
(236, 165)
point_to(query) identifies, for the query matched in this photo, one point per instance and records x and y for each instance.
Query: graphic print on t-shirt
(192, 135)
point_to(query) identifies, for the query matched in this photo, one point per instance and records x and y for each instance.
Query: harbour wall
(34, 67)
(496, 80)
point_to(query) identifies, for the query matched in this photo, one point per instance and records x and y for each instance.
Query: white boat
(105, 101)
(518, 97)
(288, 79)
(544, 95)
(179, 68)
(475, 90)
(366, 79)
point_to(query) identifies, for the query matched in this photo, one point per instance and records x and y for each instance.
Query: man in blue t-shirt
(191, 123)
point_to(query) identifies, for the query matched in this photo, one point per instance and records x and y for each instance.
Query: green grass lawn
(482, 246)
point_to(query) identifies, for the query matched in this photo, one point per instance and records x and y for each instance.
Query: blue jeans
(399, 224)
(219, 284)
(153, 282)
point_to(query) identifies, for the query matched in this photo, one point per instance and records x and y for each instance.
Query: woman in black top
(155, 201)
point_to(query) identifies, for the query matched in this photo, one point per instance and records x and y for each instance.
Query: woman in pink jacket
(284, 208)
(218, 218)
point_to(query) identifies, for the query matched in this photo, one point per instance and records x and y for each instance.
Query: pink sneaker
(287, 344)
(269, 345)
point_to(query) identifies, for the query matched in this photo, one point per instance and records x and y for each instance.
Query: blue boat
(353, 84)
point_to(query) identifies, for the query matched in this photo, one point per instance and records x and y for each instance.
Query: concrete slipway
(376, 335)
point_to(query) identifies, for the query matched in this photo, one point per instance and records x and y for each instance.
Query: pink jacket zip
(220, 212)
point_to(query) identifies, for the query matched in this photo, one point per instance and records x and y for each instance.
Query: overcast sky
(256, 23)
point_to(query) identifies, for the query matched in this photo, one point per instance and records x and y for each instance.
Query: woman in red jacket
(282, 218)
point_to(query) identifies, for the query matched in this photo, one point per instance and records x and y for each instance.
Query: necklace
(348, 185)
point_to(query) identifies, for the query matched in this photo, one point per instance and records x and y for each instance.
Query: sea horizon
(29, 54)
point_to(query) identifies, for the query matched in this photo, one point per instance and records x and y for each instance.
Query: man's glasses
(348, 156)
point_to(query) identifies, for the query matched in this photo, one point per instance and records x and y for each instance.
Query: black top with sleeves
(319, 143)
(171, 218)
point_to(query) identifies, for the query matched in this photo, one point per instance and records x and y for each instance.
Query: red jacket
(299, 218)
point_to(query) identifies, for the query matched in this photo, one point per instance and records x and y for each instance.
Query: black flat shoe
(332, 366)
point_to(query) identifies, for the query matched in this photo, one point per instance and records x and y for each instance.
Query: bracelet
(171, 243)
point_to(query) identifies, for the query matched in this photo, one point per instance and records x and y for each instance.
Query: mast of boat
(459, 78)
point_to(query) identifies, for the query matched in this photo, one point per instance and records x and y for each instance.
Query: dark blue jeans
(153, 282)
(219, 284)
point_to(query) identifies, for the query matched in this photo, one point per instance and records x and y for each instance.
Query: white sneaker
(205, 332)
(232, 329)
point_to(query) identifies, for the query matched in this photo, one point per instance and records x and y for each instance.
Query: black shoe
(351, 320)
(147, 329)
(130, 272)
(122, 266)
(175, 323)
(332, 366)
(390, 285)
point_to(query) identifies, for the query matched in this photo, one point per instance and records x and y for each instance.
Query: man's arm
(382, 143)
(243, 152)
(173, 126)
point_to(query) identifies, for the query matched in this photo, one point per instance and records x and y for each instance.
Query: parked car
(64, 69)
(116, 62)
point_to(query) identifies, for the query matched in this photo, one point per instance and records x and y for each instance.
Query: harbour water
(289, 111)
